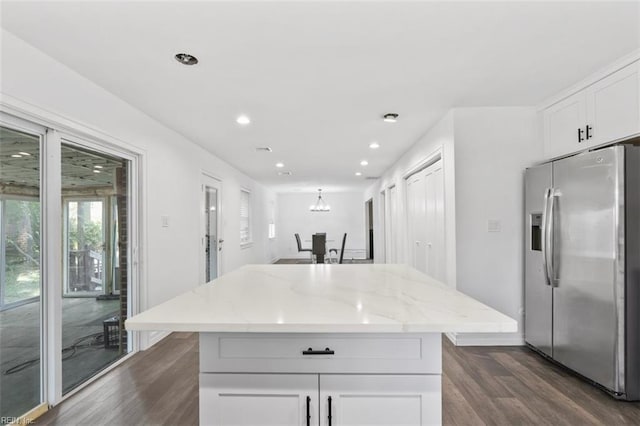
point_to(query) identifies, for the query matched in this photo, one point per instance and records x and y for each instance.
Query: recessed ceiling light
(374, 145)
(243, 119)
(97, 166)
(96, 171)
(358, 174)
(279, 165)
(24, 153)
(16, 155)
(186, 59)
(364, 163)
(390, 117)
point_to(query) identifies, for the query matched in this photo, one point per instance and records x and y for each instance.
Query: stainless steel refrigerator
(582, 265)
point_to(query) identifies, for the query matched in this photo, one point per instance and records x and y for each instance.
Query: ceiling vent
(372, 178)
(284, 173)
(263, 149)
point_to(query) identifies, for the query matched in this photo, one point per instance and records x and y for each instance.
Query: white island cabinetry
(366, 379)
(322, 345)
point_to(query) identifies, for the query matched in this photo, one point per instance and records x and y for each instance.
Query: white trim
(209, 179)
(429, 160)
(486, 339)
(52, 242)
(153, 337)
(584, 83)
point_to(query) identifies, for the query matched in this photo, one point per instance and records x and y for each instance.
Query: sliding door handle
(308, 411)
(329, 416)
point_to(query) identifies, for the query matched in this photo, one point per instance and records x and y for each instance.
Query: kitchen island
(321, 344)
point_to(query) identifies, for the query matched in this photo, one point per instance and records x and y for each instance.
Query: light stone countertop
(323, 299)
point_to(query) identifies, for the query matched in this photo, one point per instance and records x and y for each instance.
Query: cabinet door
(373, 400)
(561, 123)
(613, 106)
(258, 399)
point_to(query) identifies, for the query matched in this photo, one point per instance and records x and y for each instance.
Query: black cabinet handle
(325, 351)
(329, 411)
(308, 412)
(589, 129)
(580, 139)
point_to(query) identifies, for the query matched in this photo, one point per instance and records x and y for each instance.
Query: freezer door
(537, 293)
(588, 269)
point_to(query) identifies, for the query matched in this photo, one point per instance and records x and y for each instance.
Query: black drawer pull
(308, 411)
(325, 351)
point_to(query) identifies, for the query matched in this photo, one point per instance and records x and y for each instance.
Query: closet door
(416, 220)
(434, 221)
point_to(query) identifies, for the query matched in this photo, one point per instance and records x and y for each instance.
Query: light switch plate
(165, 221)
(493, 225)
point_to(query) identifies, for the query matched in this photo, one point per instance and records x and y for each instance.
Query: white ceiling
(315, 77)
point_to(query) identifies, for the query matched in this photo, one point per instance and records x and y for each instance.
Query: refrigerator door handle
(553, 282)
(547, 223)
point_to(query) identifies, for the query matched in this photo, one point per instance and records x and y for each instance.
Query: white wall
(171, 176)
(493, 147)
(346, 215)
(440, 138)
(485, 151)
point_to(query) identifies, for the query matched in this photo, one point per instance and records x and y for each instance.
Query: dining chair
(300, 249)
(334, 250)
(319, 247)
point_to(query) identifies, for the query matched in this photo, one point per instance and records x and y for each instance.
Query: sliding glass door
(95, 194)
(67, 238)
(20, 273)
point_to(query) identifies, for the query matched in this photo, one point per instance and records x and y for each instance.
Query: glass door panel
(20, 271)
(211, 236)
(95, 193)
(84, 243)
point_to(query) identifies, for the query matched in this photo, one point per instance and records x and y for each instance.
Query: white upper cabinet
(605, 111)
(613, 106)
(564, 126)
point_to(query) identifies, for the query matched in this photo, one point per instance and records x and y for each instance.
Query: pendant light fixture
(320, 205)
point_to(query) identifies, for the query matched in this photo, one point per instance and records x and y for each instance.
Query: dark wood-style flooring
(481, 385)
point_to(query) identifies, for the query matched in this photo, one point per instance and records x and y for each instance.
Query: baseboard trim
(486, 339)
(275, 260)
(30, 416)
(155, 337)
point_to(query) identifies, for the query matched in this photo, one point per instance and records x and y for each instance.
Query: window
(245, 217)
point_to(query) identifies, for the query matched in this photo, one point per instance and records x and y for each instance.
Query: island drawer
(321, 353)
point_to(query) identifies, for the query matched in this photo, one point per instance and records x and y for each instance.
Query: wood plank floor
(481, 386)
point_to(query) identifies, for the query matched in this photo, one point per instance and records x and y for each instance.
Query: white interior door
(382, 244)
(417, 220)
(211, 241)
(359, 400)
(392, 239)
(258, 399)
(434, 220)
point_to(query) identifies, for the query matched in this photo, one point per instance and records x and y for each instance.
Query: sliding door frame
(53, 129)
